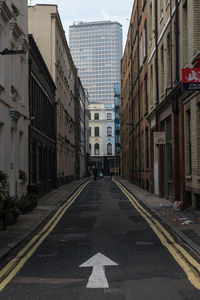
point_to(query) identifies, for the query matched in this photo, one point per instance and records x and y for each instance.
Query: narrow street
(101, 221)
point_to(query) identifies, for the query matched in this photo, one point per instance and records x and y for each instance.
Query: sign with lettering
(159, 138)
(191, 79)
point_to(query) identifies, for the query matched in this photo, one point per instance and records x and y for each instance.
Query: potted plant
(13, 210)
(4, 196)
(3, 178)
(26, 203)
(22, 176)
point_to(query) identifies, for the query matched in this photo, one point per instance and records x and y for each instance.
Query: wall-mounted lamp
(12, 52)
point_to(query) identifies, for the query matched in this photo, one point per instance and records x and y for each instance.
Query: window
(21, 150)
(2, 74)
(109, 116)
(90, 149)
(109, 149)
(151, 86)
(147, 147)
(185, 32)
(146, 93)
(150, 22)
(96, 149)
(96, 116)
(162, 70)
(89, 116)
(89, 131)
(161, 8)
(96, 131)
(141, 51)
(2, 158)
(33, 163)
(109, 131)
(168, 60)
(145, 40)
(198, 137)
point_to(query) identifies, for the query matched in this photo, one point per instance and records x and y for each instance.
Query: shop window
(197, 201)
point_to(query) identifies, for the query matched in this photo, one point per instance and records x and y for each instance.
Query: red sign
(191, 79)
(190, 75)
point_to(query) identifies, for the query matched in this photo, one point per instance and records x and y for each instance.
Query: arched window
(96, 149)
(109, 149)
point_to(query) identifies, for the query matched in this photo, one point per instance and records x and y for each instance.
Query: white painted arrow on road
(98, 278)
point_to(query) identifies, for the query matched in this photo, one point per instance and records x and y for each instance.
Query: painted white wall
(14, 111)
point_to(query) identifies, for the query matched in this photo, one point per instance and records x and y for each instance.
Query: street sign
(159, 138)
(191, 79)
(98, 278)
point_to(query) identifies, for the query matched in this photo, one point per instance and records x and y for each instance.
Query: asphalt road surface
(131, 262)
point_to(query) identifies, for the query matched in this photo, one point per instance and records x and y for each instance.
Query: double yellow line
(183, 258)
(13, 267)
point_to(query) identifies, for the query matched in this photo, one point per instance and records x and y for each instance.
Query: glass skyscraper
(96, 48)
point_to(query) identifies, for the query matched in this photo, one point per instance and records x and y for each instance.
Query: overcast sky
(92, 10)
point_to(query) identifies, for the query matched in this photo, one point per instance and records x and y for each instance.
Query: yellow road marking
(18, 262)
(183, 258)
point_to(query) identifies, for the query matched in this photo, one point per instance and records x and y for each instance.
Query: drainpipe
(177, 42)
(30, 124)
(138, 36)
(156, 61)
(171, 52)
(156, 147)
(131, 95)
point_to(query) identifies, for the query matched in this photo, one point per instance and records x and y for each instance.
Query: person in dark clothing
(95, 173)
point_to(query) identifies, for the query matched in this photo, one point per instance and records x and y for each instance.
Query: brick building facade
(163, 39)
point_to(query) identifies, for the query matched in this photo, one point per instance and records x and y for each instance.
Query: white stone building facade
(14, 111)
(45, 25)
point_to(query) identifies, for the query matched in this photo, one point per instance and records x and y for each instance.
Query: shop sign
(191, 79)
(159, 138)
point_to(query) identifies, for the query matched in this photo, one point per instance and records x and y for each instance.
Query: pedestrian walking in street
(95, 173)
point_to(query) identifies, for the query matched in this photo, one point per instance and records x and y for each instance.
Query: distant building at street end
(117, 129)
(102, 136)
(53, 45)
(14, 109)
(42, 128)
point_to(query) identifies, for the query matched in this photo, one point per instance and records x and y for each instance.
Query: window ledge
(189, 177)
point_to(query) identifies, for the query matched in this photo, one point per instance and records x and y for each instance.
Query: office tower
(96, 48)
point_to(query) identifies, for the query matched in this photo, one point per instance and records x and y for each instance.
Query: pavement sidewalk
(185, 223)
(27, 223)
